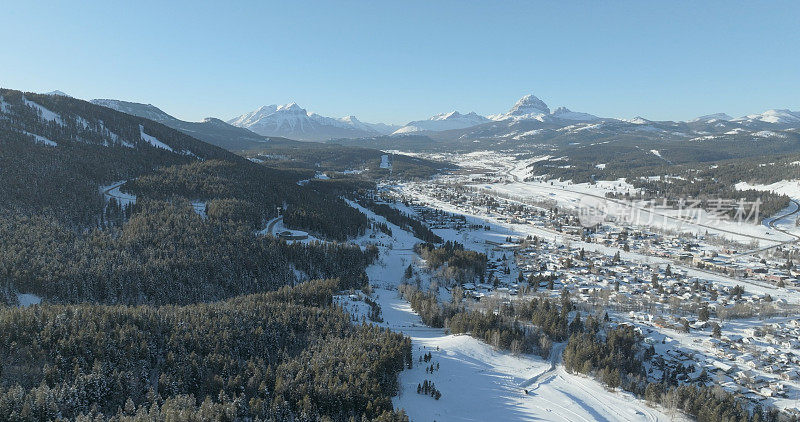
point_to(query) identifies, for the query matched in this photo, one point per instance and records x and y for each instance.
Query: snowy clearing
(42, 140)
(28, 299)
(152, 140)
(45, 113)
(790, 188)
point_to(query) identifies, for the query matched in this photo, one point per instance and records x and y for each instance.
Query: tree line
(466, 264)
(402, 220)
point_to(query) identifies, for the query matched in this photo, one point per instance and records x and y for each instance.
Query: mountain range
(292, 121)
(529, 120)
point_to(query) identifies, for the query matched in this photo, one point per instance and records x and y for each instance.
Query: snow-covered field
(790, 188)
(481, 384)
(581, 196)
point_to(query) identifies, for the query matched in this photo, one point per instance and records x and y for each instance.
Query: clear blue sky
(406, 60)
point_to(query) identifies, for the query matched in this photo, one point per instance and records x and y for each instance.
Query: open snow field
(790, 188)
(480, 384)
(694, 220)
(582, 195)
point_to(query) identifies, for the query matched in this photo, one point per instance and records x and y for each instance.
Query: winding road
(272, 223)
(771, 224)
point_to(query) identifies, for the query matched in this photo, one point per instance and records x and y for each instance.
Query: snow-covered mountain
(529, 120)
(63, 122)
(444, 121)
(294, 122)
(782, 117)
(148, 111)
(528, 107)
(564, 113)
(638, 120)
(531, 107)
(382, 128)
(711, 118)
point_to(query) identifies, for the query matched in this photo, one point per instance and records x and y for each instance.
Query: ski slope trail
(479, 383)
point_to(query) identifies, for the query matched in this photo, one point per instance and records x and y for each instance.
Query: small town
(712, 314)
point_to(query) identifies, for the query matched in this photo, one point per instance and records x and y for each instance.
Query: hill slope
(211, 130)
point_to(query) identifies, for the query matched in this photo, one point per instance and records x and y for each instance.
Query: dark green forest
(339, 158)
(288, 354)
(156, 310)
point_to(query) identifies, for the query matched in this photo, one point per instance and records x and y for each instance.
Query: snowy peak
(638, 120)
(455, 115)
(215, 122)
(772, 116)
(529, 105)
(291, 107)
(59, 93)
(710, 118)
(443, 121)
(249, 119)
(444, 116)
(351, 120)
(380, 128)
(265, 110)
(294, 122)
(567, 114)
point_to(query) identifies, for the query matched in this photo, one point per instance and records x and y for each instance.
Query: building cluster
(676, 303)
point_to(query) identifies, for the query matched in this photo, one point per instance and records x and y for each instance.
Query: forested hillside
(285, 355)
(57, 152)
(211, 130)
(341, 158)
(164, 254)
(62, 240)
(156, 306)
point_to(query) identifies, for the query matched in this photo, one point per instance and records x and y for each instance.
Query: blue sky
(405, 60)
